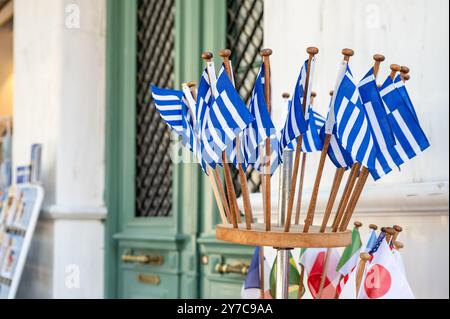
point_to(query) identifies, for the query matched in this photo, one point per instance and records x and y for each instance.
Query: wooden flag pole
(266, 53)
(365, 257)
(225, 54)
(398, 245)
(231, 193)
(348, 53)
(334, 191)
(362, 178)
(214, 178)
(398, 229)
(302, 176)
(261, 271)
(378, 58)
(312, 51)
(390, 233)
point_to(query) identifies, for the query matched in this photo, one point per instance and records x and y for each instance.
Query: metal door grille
(155, 65)
(245, 37)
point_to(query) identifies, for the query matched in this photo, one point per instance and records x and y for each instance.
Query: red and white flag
(384, 278)
(313, 259)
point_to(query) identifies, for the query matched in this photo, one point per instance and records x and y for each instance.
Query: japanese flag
(384, 278)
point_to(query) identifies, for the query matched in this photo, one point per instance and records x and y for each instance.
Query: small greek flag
(336, 153)
(169, 104)
(295, 122)
(381, 129)
(405, 95)
(312, 141)
(352, 126)
(228, 115)
(409, 136)
(257, 155)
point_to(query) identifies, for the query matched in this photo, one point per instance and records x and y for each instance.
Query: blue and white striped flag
(169, 104)
(257, 156)
(409, 136)
(312, 141)
(353, 130)
(295, 122)
(337, 154)
(260, 129)
(228, 114)
(378, 120)
(405, 95)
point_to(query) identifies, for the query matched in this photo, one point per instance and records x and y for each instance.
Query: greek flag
(169, 105)
(378, 120)
(336, 153)
(312, 141)
(295, 121)
(211, 145)
(260, 129)
(409, 136)
(228, 115)
(352, 127)
(256, 156)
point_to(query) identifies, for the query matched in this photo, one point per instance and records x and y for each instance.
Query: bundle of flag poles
(370, 269)
(370, 130)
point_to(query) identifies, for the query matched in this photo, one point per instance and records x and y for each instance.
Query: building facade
(82, 69)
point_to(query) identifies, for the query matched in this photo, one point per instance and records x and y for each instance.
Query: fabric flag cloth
(312, 141)
(399, 260)
(256, 156)
(294, 279)
(378, 119)
(349, 289)
(251, 289)
(350, 256)
(313, 259)
(409, 136)
(384, 279)
(371, 241)
(405, 95)
(260, 129)
(228, 115)
(169, 104)
(295, 122)
(352, 126)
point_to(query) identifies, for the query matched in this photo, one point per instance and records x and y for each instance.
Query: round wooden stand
(277, 238)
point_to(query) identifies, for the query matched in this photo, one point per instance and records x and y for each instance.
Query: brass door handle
(143, 259)
(241, 269)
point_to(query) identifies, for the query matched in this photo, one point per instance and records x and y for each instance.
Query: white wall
(407, 32)
(59, 101)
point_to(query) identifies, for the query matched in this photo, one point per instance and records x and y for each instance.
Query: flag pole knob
(312, 51)
(404, 70)
(394, 69)
(191, 84)
(358, 224)
(383, 229)
(398, 245)
(331, 93)
(266, 52)
(373, 226)
(348, 53)
(226, 53)
(389, 231)
(207, 56)
(379, 57)
(365, 256)
(406, 77)
(313, 94)
(398, 228)
(286, 95)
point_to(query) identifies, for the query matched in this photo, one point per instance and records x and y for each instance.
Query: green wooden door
(160, 240)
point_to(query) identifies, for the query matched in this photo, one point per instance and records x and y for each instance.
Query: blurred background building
(121, 219)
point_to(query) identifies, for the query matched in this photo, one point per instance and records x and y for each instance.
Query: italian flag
(350, 256)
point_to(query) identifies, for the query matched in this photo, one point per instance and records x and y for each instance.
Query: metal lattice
(245, 37)
(155, 64)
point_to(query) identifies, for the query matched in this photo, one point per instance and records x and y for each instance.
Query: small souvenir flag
(294, 279)
(405, 95)
(256, 157)
(251, 288)
(312, 141)
(313, 259)
(371, 241)
(352, 126)
(350, 256)
(379, 123)
(169, 104)
(348, 290)
(295, 121)
(409, 136)
(228, 115)
(384, 279)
